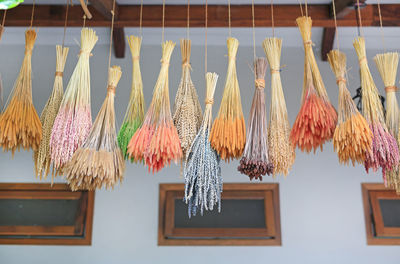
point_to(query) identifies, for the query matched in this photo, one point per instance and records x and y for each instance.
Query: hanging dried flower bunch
(387, 65)
(255, 162)
(202, 172)
(352, 138)
(99, 162)
(316, 121)
(42, 157)
(135, 112)
(20, 124)
(187, 114)
(228, 134)
(385, 153)
(157, 140)
(74, 119)
(280, 148)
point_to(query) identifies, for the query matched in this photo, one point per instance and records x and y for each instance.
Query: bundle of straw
(157, 140)
(42, 157)
(74, 119)
(387, 65)
(187, 114)
(203, 180)
(316, 121)
(228, 134)
(385, 153)
(255, 162)
(280, 148)
(20, 124)
(352, 138)
(99, 162)
(135, 112)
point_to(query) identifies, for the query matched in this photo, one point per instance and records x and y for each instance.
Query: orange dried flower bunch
(228, 134)
(157, 141)
(20, 124)
(317, 118)
(352, 139)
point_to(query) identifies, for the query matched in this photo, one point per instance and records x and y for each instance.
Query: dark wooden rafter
(104, 7)
(343, 9)
(128, 16)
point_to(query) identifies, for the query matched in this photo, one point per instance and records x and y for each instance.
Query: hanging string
(4, 18)
(306, 5)
(141, 18)
(163, 21)
(205, 44)
(359, 21)
(380, 22)
(336, 27)
(272, 18)
(254, 31)
(65, 23)
(229, 18)
(188, 19)
(84, 13)
(301, 7)
(111, 34)
(33, 12)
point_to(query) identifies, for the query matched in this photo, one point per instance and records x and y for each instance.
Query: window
(45, 215)
(382, 214)
(250, 215)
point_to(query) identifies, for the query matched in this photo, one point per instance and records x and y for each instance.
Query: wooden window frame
(375, 229)
(268, 191)
(46, 191)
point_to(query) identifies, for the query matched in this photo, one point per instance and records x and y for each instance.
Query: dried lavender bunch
(202, 171)
(255, 162)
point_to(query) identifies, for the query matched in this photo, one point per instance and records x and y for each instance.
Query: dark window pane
(390, 210)
(234, 214)
(38, 212)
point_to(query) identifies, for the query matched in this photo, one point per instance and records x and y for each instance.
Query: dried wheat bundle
(387, 65)
(20, 124)
(187, 113)
(280, 148)
(314, 124)
(74, 118)
(385, 153)
(202, 172)
(135, 112)
(352, 138)
(255, 162)
(42, 157)
(99, 162)
(157, 140)
(316, 121)
(228, 133)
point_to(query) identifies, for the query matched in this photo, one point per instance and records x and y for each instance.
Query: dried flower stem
(20, 124)
(42, 157)
(135, 112)
(99, 162)
(202, 171)
(74, 118)
(187, 113)
(228, 133)
(280, 148)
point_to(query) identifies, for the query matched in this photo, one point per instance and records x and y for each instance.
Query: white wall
(321, 206)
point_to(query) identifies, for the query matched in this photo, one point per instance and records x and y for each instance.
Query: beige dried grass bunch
(99, 162)
(385, 153)
(228, 134)
(42, 157)
(280, 148)
(135, 112)
(387, 65)
(187, 113)
(352, 139)
(20, 124)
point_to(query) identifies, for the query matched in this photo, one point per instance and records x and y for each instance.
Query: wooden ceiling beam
(104, 7)
(175, 16)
